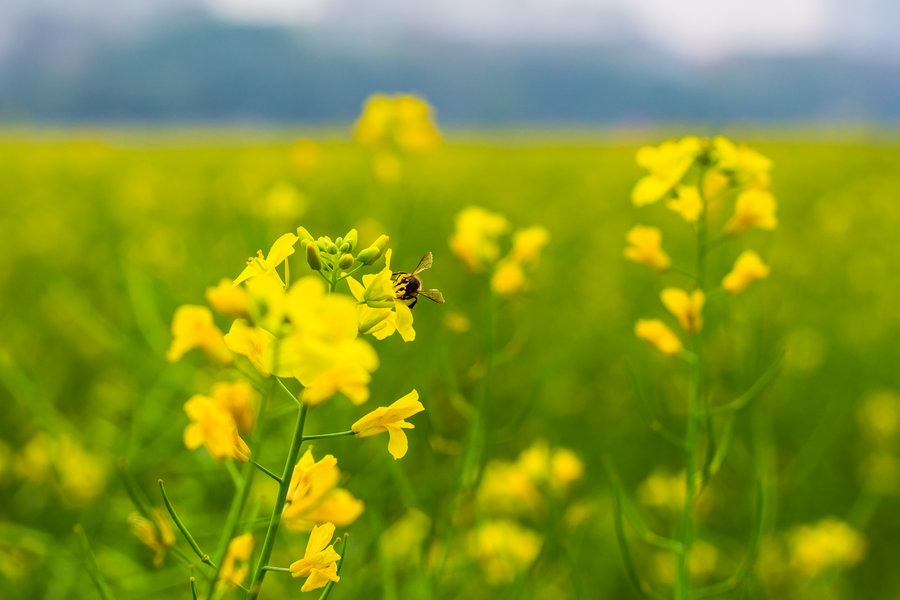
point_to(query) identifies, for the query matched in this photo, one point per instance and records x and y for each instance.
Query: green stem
(266, 471)
(345, 542)
(275, 520)
(695, 395)
(204, 557)
(278, 569)
(322, 436)
(287, 391)
(91, 564)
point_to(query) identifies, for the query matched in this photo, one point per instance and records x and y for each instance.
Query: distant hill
(205, 70)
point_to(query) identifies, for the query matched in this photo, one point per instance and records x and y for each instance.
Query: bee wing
(433, 295)
(425, 263)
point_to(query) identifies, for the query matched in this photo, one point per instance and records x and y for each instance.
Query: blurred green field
(103, 236)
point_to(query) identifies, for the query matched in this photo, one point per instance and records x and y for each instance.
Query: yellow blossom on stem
(259, 265)
(236, 564)
(319, 562)
(754, 208)
(381, 314)
(527, 244)
(508, 278)
(656, 332)
(214, 427)
(747, 268)
(252, 342)
(314, 498)
(504, 549)
(227, 299)
(157, 536)
(668, 163)
(390, 419)
(474, 240)
(239, 399)
(645, 246)
(747, 166)
(402, 120)
(193, 327)
(828, 543)
(687, 203)
(686, 307)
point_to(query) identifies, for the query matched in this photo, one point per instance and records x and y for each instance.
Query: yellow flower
(527, 244)
(319, 562)
(193, 327)
(667, 163)
(402, 541)
(313, 496)
(457, 322)
(702, 562)
(754, 208)
(879, 417)
(390, 419)
(507, 488)
(747, 166)
(645, 246)
(828, 543)
(504, 549)
(687, 203)
(252, 342)
(508, 278)
(236, 564)
(656, 332)
(158, 536)
(227, 299)
(686, 307)
(380, 312)
(214, 427)
(747, 268)
(474, 239)
(662, 490)
(559, 468)
(402, 120)
(239, 399)
(80, 475)
(259, 265)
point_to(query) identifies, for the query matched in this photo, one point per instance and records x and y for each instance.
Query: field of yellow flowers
(633, 368)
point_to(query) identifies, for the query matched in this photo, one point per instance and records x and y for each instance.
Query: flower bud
(313, 258)
(352, 238)
(346, 261)
(322, 244)
(332, 249)
(338, 242)
(345, 247)
(304, 235)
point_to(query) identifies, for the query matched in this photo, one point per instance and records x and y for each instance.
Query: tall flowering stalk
(311, 331)
(721, 190)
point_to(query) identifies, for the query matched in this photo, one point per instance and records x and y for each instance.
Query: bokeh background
(147, 148)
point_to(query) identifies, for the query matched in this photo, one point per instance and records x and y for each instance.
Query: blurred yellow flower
(645, 246)
(687, 203)
(457, 322)
(157, 536)
(668, 163)
(236, 564)
(747, 268)
(508, 278)
(239, 399)
(391, 419)
(403, 121)
(319, 562)
(527, 244)
(504, 549)
(475, 238)
(702, 562)
(656, 332)
(228, 299)
(403, 540)
(507, 488)
(685, 307)
(879, 417)
(79, 475)
(747, 166)
(278, 253)
(559, 467)
(314, 498)
(213, 426)
(251, 342)
(662, 490)
(283, 201)
(754, 208)
(828, 543)
(193, 327)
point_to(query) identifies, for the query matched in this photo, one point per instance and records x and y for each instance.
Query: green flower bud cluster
(334, 256)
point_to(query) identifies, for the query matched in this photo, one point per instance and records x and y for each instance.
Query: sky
(696, 29)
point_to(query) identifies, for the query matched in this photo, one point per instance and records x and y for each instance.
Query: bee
(408, 286)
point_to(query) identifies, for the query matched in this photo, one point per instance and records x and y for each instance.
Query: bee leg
(413, 303)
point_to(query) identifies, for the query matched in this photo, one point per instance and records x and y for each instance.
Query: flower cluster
(311, 331)
(395, 125)
(476, 241)
(696, 178)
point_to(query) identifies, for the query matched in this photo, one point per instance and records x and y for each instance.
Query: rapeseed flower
(527, 244)
(228, 299)
(236, 564)
(213, 426)
(239, 399)
(391, 419)
(400, 121)
(685, 307)
(828, 543)
(252, 342)
(193, 327)
(656, 332)
(504, 549)
(687, 203)
(747, 166)
(645, 246)
(506, 488)
(747, 268)
(319, 562)
(313, 496)
(559, 468)
(754, 208)
(381, 313)
(668, 163)
(475, 237)
(158, 535)
(508, 278)
(259, 265)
